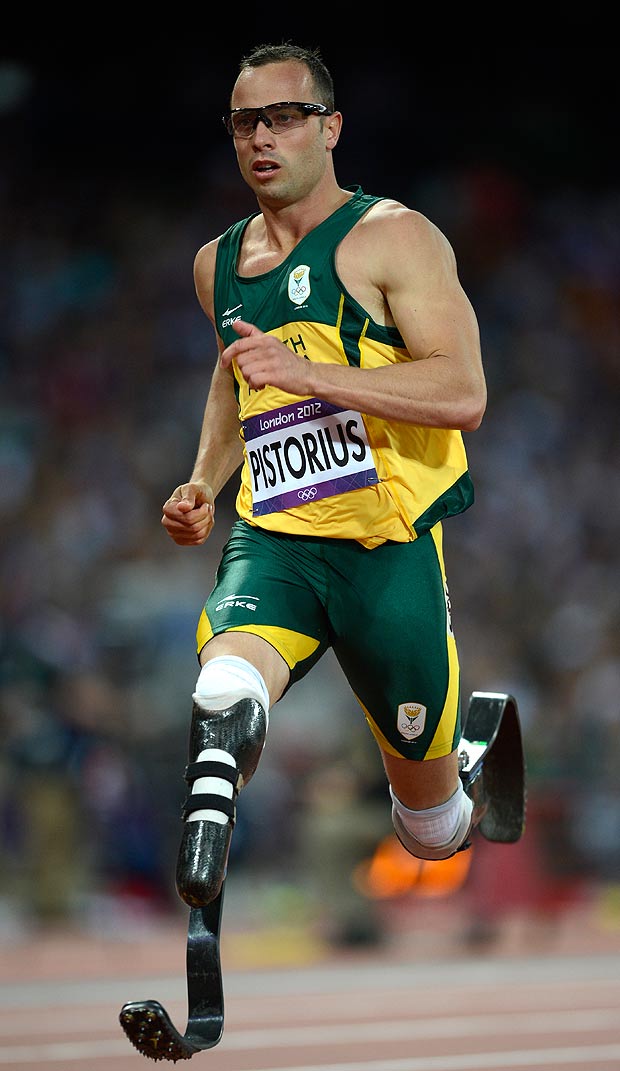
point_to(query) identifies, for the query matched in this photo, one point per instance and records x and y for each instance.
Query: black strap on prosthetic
(213, 801)
(209, 801)
(212, 768)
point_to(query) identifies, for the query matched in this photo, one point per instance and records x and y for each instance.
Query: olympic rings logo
(307, 494)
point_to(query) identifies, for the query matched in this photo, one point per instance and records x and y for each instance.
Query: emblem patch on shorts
(411, 720)
(299, 284)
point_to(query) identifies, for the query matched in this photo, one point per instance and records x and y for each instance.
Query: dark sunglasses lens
(243, 123)
(278, 117)
(286, 115)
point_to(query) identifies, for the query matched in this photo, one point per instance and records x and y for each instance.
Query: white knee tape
(227, 679)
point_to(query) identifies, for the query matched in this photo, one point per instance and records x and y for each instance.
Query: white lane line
(428, 1029)
(345, 1034)
(49, 1022)
(586, 1055)
(454, 1026)
(244, 1014)
(332, 979)
(241, 1004)
(63, 1052)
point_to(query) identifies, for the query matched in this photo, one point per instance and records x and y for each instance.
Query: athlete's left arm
(412, 264)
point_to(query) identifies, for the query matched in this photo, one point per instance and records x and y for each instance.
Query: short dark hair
(310, 57)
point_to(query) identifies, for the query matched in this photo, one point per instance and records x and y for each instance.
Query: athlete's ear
(332, 128)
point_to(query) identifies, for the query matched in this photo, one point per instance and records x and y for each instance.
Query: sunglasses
(280, 117)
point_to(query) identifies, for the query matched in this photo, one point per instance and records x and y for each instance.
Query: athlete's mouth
(264, 166)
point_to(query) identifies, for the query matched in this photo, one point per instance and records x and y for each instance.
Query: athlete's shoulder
(204, 274)
(206, 254)
(387, 212)
(391, 225)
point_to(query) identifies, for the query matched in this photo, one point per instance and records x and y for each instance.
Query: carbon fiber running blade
(147, 1024)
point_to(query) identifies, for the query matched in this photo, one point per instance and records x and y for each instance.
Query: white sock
(435, 826)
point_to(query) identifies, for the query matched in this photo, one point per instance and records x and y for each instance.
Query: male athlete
(349, 365)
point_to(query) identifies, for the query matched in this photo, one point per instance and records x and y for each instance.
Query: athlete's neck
(286, 224)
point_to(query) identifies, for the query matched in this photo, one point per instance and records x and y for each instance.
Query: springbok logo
(299, 284)
(411, 720)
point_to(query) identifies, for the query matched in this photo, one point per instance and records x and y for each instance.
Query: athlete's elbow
(473, 420)
(472, 411)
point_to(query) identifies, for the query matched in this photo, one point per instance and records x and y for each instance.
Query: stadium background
(114, 169)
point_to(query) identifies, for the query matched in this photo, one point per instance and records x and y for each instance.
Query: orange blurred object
(392, 872)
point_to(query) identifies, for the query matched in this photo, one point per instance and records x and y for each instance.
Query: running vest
(311, 468)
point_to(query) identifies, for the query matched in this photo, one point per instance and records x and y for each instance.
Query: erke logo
(299, 284)
(227, 317)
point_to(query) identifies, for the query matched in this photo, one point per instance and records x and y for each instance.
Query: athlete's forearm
(434, 392)
(220, 451)
(216, 466)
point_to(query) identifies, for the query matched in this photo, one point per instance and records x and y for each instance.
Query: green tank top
(311, 468)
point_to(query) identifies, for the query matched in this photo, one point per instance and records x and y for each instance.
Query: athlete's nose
(262, 131)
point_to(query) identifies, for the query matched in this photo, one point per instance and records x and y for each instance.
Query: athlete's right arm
(189, 513)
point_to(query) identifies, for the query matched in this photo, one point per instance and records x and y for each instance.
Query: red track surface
(537, 1000)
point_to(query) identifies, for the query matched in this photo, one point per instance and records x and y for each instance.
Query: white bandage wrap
(436, 826)
(227, 679)
(222, 682)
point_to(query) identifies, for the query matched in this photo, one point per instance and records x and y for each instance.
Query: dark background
(151, 109)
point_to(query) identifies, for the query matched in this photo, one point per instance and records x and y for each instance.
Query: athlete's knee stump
(240, 731)
(417, 848)
(492, 771)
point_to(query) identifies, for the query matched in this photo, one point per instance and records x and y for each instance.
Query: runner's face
(281, 169)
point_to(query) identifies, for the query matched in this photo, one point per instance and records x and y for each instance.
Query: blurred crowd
(105, 361)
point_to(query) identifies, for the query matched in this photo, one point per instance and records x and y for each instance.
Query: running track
(379, 1011)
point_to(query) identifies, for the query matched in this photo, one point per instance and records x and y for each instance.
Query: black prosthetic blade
(499, 777)
(204, 975)
(148, 1025)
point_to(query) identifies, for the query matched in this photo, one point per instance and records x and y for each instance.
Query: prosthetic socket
(224, 745)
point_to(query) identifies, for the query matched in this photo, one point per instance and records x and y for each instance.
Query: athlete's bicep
(425, 296)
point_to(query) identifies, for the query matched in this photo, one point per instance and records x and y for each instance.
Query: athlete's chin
(265, 182)
(274, 194)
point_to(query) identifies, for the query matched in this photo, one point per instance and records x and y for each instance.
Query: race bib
(306, 451)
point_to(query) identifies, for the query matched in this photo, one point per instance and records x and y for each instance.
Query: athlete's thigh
(267, 585)
(394, 641)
